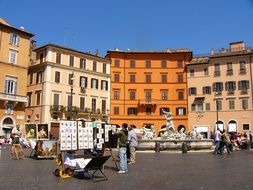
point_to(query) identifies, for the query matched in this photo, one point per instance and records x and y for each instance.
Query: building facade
(14, 60)
(220, 90)
(67, 84)
(143, 83)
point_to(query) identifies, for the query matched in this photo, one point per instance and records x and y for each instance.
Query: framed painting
(43, 132)
(46, 149)
(30, 131)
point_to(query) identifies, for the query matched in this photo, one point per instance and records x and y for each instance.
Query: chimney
(236, 46)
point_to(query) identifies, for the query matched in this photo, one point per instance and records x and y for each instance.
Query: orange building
(15, 54)
(145, 82)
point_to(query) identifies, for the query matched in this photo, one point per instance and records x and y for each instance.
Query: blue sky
(87, 25)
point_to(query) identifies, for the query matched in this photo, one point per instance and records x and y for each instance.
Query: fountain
(169, 139)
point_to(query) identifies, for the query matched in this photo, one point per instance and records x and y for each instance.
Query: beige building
(67, 84)
(14, 60)
(220, 90)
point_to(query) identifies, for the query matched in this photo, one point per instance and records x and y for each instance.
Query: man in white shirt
(217, 140)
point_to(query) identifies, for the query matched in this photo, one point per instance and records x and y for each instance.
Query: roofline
(151, 52)
(17, 29)
(69, 49)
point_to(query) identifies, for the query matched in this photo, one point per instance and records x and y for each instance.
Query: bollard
(184, 147)
(157, 146)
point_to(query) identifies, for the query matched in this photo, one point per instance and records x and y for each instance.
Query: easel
(105, 150)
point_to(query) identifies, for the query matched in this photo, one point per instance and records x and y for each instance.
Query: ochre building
(145, 82)
(15, 46)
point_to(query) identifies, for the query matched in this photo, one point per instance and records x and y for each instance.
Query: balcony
(148, 102)
(230, 92)
(13, 98)
(242, 71)
(230, 72)
(56, 110)
(244, 91)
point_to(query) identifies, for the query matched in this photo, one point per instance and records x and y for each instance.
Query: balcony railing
(242, 71)
(216, 73)
(230, 72)
(13, 97)
(148, 102)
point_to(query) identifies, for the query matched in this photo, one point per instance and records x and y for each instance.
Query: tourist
(15, 134)
(133, 143)
(217, 140)
(123, 149)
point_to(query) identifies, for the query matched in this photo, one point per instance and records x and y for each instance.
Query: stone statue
(169, 123)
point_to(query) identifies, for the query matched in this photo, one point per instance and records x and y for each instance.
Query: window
(230, 86)
(94, 83)
(148, 110)
(148, 64)
(94, 67)
(164, 78)
(82, 103)
(70, 102)
(13, 56)
(218, 105)
(10, 85)
(132, 78)
(14, 39)
(181, 111)
(164, 95)
(104, 85)
(117, 63)
(103, 106)
(71, 78)
(31, 78)
(132, 95)
(8, 109)
(180, 63)
(93, 104)
(180, 95)
(231, 104)
(56, 99)
(192, 91)
(116, 78)
(116, 110)
(180, 78)
(245, 127)
(58, 58)
(243, 85)
(217, 87)
(39, 77)
(132, 111)
(116, 95)
(83, 82)
(206, 90)
(82, 63)
(148, 96)
(41, 58)
(132, 63)
(29, 99)
(242, 65)
(71, 61)
(216, 69)
(192, 72)
(148, 78)
(38, 94)
(245, 104)
(57, 77)
(206, 71)
(164, 64)
(104, 67)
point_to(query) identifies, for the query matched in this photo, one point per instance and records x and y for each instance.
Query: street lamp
(71, 94)
(217, 109)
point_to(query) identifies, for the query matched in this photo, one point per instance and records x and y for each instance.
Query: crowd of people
(226, 142)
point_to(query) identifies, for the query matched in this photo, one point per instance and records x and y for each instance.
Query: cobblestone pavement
(191, 171)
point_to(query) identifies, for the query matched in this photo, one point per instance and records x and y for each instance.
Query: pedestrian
(133, 143)
(15, 134)
(123, 149)
(217, 140)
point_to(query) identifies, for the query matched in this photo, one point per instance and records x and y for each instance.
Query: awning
(7, 127)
